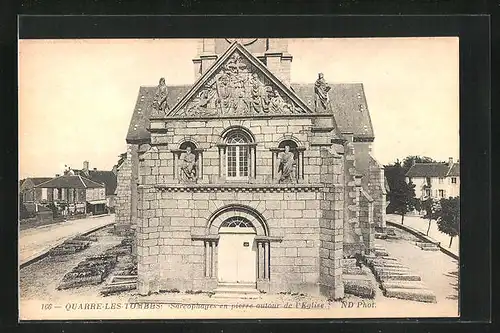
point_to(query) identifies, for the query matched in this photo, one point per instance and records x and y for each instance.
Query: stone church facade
(246, 179)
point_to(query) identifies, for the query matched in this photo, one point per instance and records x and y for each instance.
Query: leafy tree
(402, 194)
(431, 207)
(409, 160)
(448, 217)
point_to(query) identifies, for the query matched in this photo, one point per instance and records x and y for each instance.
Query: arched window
(238, 155)
(237, 222)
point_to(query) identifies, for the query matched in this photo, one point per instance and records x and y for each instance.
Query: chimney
(85, 166)
(450, 160)
(95, 169)
(57, 175)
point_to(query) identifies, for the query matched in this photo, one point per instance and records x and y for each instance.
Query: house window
(441, 180)
(44, 194)
(428, 180)
(428, 192)
(453, 180)
(441, 193)
(237, 156)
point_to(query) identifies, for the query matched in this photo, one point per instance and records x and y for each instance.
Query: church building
(246, 180)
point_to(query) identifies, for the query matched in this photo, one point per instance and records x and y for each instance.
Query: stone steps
(397, 280)
(420, 295)
(236, 290)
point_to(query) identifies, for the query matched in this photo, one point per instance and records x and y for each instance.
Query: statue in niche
(287, 166)
(160, 99)
(189, 168)
(321, 89)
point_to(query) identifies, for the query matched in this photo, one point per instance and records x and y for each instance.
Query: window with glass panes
(237, 156)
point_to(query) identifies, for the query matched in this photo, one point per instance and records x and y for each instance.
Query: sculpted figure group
(238, 90)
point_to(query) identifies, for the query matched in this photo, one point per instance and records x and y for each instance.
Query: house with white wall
(435, 180)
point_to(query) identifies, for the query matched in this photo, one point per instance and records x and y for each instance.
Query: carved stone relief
(238, 88)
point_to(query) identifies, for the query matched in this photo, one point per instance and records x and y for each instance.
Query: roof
(70, 181)
(108, 178)
(454, 170)
(37, 180)
(428, 170)
(348, 103)
(349, 106)
(140, 117)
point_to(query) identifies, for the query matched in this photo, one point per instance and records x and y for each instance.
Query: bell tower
(273, 52)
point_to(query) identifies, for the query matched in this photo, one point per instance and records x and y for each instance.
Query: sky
(76, 97)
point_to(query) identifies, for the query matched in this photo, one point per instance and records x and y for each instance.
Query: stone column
(266, 260)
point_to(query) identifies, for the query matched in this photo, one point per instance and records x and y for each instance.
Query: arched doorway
(237, 253)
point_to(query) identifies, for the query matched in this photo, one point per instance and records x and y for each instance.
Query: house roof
(454, 170)
(70, 181)
(139, 123)
(108, 178)
(349, 106)
(348, 101)
(37, 180)
(428, 170)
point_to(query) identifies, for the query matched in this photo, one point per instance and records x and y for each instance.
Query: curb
(421, 236)
(46, 252)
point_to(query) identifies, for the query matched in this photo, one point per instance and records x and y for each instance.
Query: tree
(402, 194)
(431, 206)
(448, 217)
(409, 160)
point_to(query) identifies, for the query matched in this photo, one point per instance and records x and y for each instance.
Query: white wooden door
(237, 257)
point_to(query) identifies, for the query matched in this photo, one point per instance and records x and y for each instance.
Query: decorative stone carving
(238, 88)
(321, 89)
(160, 99)
(188, 166)
(287, 166)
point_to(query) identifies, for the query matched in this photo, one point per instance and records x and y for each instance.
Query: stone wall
(353, 239)
(378, 192)
(331, 231)
(124, 191)
(172, 251)
(206, 135)
(366, 220)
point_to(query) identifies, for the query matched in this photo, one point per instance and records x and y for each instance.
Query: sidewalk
(420, 224)
(37, 241)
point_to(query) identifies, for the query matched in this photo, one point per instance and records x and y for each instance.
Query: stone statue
(189, 170)
(287, 166)
(321, 89)
(160, 99)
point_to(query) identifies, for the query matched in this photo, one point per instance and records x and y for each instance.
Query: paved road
(36, 241)
(416, 222)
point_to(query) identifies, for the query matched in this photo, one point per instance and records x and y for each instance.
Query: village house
(435, 180)
(246, 180)
(108, 178)
(27, 190)
(73, 195)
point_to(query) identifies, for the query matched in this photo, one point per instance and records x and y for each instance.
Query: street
(36, 241)
(420, 224)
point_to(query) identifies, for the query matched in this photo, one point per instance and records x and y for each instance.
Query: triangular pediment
(238, 84)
